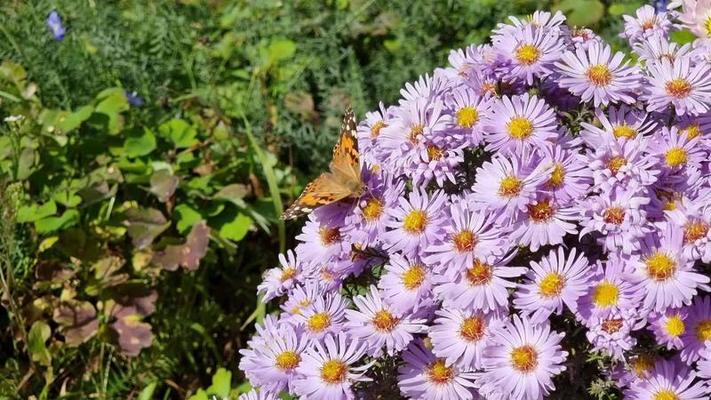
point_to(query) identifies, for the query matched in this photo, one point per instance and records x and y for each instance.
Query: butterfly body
(342, 181)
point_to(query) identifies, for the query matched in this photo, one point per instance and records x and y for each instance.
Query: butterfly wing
(346, 159)
(325, 189)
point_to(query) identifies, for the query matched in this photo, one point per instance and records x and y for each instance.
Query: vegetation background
(145, 158)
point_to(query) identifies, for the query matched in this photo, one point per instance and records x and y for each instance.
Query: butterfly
(343, 180)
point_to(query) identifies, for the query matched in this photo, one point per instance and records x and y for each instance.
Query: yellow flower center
(415, 222)
(439, 373)
(703, 330)
(614, 215)
(288, 273)
(480, 273)
(557, 177)
(467, 117)
(375, 129)
(551, 285)
(524, 358)
(413, 277)
(373, 209)
(415, 132)
(615, 163)
(527, 54)
(692, 131)
(464, 241)
(472, 328)
(510, 186)
(605, 294)
(678, 88)
(384, 321)
(287, 360)
(624, 131)
(599, 75)
(319, 322)
(675, 157)
(611, 325)
(642, 365)
(334, 371)
(665, 394)
(520, 128)
(660, 266)
(695, 230)
(541, 211)
(674, 326)
(329, 235)
(707, 26)
(434, 153)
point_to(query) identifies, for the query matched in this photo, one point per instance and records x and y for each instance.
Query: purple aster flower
(326, 369)
(368, 220)
(622, 163)
(704, 364)
(274, 354)
(405, 283)
(464, 64)
(583, 38)
(611, 334)
(668, 327)
(436, 161)
(415, 222)
(54, 22)
(695, 16)
(426, 87)
(647, 23)
(300, 297)
(637, 369)
(377, 325)
(426, 377)
(698, 329)
(569, 177)
(550, 23)
(531, 51)
(693, 127)
(619, 122)
(521, 360)
(520, 123)
(328, 275)
(694, 218)
(368, 132)
(321, 239)
(482, 286)
(617, 217)
(258, 395)
(668, 278)
(679, 83)
(460, 336)
(669, 380)
(657, 48)
(595, 74)
(324, 316)
(545, 222)
(556, 280)
(278, 281)
(469, 235)
(676, 152)
(469, 111)
(609, 292)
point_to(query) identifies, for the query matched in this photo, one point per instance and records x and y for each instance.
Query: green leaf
(163, 184)
(179, 132)
(233, 225)
(682, 37)
(280, 49)
(139, 143)
(147, 392)
(200, 395)
(233, 193)
(39, 333)
(186, 217)
(36, 212)
(619, 9)
(67, 198)
(110, 103)
(71, 121)
(51, 224)
(221, 383)
(144, 224)
(582, 12)
(25, 163)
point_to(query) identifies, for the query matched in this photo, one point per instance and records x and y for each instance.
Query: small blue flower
(134, 99)
(660, 5)
(54, 22)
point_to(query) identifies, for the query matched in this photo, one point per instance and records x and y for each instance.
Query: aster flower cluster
(541, 202)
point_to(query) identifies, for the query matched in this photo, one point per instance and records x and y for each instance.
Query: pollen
(467, 116)
(334, 371)
(319, 322)
(413, 277)
(614, 215)
(541, 211)
(520, 128)
(624, 131)
(615, 163)
(373, 209)
(674, 326)
(510, 186)
(524, 358)
(415, 222)
(434, 153)
(329, 235)
(605, 294)
(703, 330)
(384, 321)
(527, 54)
(660, 266)
(375, 129)
(678, 88)
(675, 157)
(287, 360)
(480, 273)
(665, 394)
(472, 329)
(557, 177)
(287, 273)
(415, 132)
(599, 75)
(551, 285)
(611, 325)
(695, 230)
(439, 373)
(464, 241)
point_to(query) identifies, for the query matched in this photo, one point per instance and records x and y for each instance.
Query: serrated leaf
(139, 142)
(144, 225)
(179, 132)
(36, 212)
